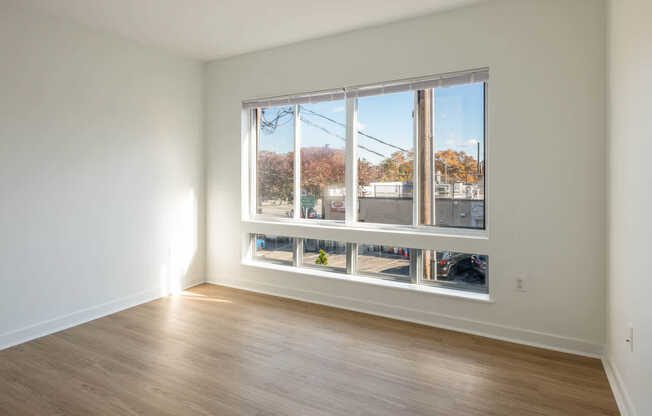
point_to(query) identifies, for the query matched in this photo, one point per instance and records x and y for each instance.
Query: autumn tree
(399, 167)
(456, 166)
(321, 167)
(368, 172)
(324, 166)
(275, 176)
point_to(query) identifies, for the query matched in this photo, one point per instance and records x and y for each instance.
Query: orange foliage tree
(456, 166)
(323, 166)
(275, 176)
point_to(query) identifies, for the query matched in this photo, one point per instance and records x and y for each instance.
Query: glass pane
(323, 138)
(385, 262)
(459, 170)
(324, 254)
(386, 158)
(275, 161)
(273, 249)
(458, 270)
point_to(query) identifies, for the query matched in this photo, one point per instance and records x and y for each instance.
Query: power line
(269, 126)
(359, 131)
(325, 130)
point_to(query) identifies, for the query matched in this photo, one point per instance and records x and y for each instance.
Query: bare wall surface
(630, 199)
(546, 160)
(101, 178)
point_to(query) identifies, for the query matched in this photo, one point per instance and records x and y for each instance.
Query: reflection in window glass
(324, 254)
(459, 170)
(385, 262)
(275, 161)
(459, 270)
(386, 158)
(323, 138)
(273, 249)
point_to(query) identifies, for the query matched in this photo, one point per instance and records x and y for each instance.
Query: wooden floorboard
(219, 351)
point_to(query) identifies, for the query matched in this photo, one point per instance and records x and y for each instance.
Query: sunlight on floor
(198, 296)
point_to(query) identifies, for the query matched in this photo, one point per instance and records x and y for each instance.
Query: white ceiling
(209, 29)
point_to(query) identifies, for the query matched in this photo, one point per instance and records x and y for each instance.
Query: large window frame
(421, 237)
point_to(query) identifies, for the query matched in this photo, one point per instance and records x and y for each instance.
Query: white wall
(630, 199)
(547, 157)
(101, 178)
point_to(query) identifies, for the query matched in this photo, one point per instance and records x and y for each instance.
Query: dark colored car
(460, 267)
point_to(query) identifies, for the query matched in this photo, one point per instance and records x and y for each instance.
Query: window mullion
(351, 167)
(433, 198)
(352, 258)
(249, 246)
(254, 131)
(297, 257)
(417, 273)
(297, 162)
(416, 196)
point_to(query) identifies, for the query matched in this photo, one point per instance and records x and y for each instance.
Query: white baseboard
(60, 323)
(618, 388)
(485, 329)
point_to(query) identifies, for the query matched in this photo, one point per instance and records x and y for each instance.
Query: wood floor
(219, 351)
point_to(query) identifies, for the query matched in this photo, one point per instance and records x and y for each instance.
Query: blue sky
(459, 123)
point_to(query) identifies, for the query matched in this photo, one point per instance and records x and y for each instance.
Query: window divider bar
(249, 246)
(415, 178)
(297, 255)
(485, 192)
(297, 163)
(352, 258)
(254, 124)
(433, 170)
(417, 274)
(351, 166)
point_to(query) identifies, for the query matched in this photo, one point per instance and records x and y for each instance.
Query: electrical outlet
(521, 283)
(630, 337)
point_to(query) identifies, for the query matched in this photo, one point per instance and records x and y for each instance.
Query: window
(456, 270)
(323, 138)
(396, 160)
(273, 249)
(386, 158)
(449, 269)
(324, 254)
(275, 161)
(459, 161)
(385, 262)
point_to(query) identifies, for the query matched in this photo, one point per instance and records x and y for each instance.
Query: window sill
(440, 291)
(462, 240)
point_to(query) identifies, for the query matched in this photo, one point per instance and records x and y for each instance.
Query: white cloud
(339, 109)
(454, 143)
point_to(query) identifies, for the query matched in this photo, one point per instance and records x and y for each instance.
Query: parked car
(460, 267)
(305, 213)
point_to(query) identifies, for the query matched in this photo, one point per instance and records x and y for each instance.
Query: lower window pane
(457, 270)
(273, 249)
(385, 262)
(325, 254)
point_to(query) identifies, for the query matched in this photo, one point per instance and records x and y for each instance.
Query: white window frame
(423, 237)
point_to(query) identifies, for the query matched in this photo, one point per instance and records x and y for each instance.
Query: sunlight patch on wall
(182, 243)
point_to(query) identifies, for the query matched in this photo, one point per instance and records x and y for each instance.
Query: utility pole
(425, 149)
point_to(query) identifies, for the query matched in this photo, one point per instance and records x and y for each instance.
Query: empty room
(362, 207)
